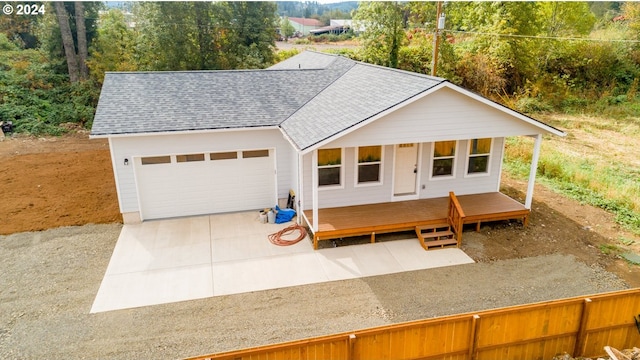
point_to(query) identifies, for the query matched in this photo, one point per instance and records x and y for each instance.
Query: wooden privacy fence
(580, 326)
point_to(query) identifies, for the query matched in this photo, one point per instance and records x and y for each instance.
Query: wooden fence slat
(583, 325)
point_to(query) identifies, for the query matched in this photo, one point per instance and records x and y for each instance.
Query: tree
(113, 49)
(76, 35)
(81, 31)
(384, 35)
(253, 34)
(504, 31)
(562, 18)
(286, 29)
(67, 41)
(199, 35)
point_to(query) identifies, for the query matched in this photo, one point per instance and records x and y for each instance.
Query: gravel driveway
(49, 280)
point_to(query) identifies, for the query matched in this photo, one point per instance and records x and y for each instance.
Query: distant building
(304, 25)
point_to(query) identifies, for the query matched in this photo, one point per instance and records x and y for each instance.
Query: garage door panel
(203, 187)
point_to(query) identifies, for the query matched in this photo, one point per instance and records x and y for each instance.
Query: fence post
(351, 342)
(580, 336)
(473, 341)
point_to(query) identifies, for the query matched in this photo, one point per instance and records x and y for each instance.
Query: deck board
(406, 215)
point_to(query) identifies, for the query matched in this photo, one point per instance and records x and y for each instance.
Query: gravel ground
(49, 280)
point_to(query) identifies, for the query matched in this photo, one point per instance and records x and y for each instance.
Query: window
(255, 153)
(479, 152)
(189, 158)
(329, 167)
(224, 155)
(369, 164)
(444, 154)
(152, 160)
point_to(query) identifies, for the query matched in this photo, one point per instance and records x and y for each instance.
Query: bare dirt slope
(55, 181)
(49, 278)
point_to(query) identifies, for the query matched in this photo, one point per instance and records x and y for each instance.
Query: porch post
(299, 189)
(314, 188)
(532, 171)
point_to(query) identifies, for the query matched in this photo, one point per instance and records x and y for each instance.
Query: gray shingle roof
(311, 96)
(151, 102)
(362, 92)
(306, 60)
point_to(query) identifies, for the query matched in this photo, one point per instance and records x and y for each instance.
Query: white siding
(461, 184)
(129, 147)
(442, 115)
(351, 194)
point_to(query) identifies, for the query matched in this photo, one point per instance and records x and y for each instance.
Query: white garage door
(205, 183)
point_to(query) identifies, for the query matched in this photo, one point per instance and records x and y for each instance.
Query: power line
(542, 37)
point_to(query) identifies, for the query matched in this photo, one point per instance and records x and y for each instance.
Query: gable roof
(361, 93)
(312, 97)
(306, 21)
(155, 102)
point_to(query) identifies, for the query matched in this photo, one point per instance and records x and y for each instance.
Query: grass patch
(591, 178)
(609, 249)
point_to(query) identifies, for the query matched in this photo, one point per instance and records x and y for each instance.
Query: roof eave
(181, 132)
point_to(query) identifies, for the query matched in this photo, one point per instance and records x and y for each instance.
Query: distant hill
(311, 8)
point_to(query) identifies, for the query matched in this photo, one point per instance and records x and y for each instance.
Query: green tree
(21, 29)
(114, 46)
(167, 36)
(384, 35)
(566, 18)
(50, 35)
(201, 35)
(252, 35)
(501, 37)
(286, 29)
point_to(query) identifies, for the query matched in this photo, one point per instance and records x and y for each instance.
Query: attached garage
(205, 183)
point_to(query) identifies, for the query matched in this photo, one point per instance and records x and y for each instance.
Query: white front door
(405, 172)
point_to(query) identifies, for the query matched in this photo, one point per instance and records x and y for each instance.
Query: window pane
(190, 157)
(368, 173)
(480, 146)
(255, 153)
(369, 153)
(150, 160)
(223, 155)
(444, 148)
(478, 164)
(329, 157)
(442, 167)
(329, 176)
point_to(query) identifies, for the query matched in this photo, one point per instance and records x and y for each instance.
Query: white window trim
(357, 164)
(466, 163)
(433, 158)
(342, 167)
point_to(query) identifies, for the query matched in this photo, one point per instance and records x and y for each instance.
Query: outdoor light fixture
(126, 161)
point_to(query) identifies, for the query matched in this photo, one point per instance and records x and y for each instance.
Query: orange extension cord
(277, 238)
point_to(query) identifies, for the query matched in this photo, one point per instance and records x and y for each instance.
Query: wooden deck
(397, 216)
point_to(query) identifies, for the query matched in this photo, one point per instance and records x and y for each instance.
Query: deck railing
(579, 326)
(455, 216)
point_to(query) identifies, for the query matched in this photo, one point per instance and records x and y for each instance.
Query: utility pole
(436, 38)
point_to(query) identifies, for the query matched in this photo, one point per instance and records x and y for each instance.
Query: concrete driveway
(166, 261)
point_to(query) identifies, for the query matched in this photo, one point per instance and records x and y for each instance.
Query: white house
(335, 131)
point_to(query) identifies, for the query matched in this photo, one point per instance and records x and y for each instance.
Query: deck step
(440, 243)
(437, 234)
